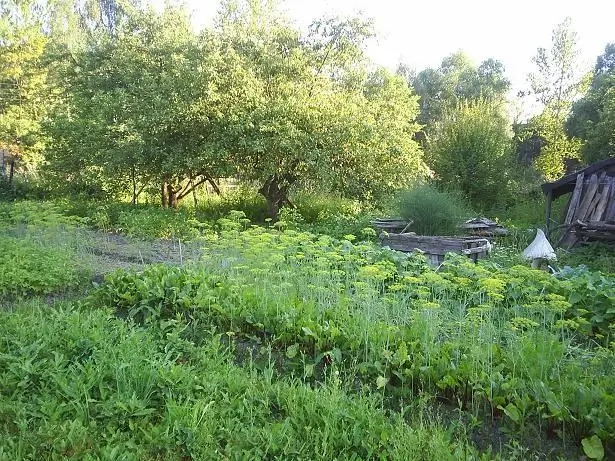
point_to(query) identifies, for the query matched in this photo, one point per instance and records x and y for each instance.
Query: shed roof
(566, 184)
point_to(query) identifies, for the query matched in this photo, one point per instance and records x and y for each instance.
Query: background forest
(115, 99)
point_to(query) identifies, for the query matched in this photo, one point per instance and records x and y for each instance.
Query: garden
(200, 255)
(271, 341)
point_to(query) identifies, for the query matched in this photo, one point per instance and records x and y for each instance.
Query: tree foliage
(471, 151)
(23, 81)
(455, 81)
(148, 102)
(556, 83)
(593, 116)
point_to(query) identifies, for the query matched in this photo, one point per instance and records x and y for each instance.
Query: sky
(421, 33)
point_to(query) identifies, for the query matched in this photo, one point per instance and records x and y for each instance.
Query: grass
(283, 344)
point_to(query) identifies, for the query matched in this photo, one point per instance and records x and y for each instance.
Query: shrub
(243, 199)
(315, 208)
(433, 211)
(471, 151)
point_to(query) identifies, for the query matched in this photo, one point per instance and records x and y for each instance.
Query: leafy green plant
(496, 339)
(596, 256)
(77, 384)
(31, 269)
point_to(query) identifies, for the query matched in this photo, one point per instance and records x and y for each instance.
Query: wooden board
(576, 197)
(610, 210)
(435, 248)
(588, 197)
(603, 202)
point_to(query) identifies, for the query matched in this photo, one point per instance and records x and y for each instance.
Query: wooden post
(549, 203)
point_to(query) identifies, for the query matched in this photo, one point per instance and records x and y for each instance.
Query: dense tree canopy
(23, 81)
(120, 98)
(471, 151)
(593, 116)
(149, 102)
(455, 81)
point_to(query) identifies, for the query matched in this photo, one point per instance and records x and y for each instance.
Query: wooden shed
(590, 213)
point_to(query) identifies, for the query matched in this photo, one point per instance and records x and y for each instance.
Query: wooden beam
(610, 211)
(589, 195)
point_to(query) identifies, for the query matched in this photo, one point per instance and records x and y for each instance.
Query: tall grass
(433, 211)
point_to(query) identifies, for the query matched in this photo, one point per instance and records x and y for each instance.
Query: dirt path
(107, 252)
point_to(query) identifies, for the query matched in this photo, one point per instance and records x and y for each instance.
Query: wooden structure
(391, 225)
(484, 227)
(435, 248)
(590, 214)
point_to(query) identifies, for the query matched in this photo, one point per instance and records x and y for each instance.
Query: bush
(330, 215)
(471, 151)
(315, 208)
(433, 211)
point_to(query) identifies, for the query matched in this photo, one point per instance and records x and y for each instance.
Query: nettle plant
(515, 343)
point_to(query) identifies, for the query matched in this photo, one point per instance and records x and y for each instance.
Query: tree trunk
(172, 196)
(276, 196)
(163, 194)
(194, 197)
(12, 170)
(134, 185)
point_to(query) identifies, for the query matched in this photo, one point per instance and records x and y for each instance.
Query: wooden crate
(435, 248)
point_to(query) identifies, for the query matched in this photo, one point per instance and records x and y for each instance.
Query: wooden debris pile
(484, 227)
(591, 210)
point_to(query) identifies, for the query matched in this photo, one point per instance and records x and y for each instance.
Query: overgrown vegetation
(204, 281)
(433, 211)
(307, 321)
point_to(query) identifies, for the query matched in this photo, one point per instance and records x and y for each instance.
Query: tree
(379, 152)
(314, 114)
(593, 116)
(556, 83)
(471, 150)
(23, 81)
(457, 80)
(138, 109)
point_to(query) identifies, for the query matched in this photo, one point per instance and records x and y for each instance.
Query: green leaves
(471, 151)
(511, 411)
(593, 448)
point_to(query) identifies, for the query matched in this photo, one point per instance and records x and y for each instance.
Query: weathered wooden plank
(588, 197)
(439, 246)
(592, 206)
(603, 202)
(610, 210)
(597, 225)
(576, 197)
(598, 235)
